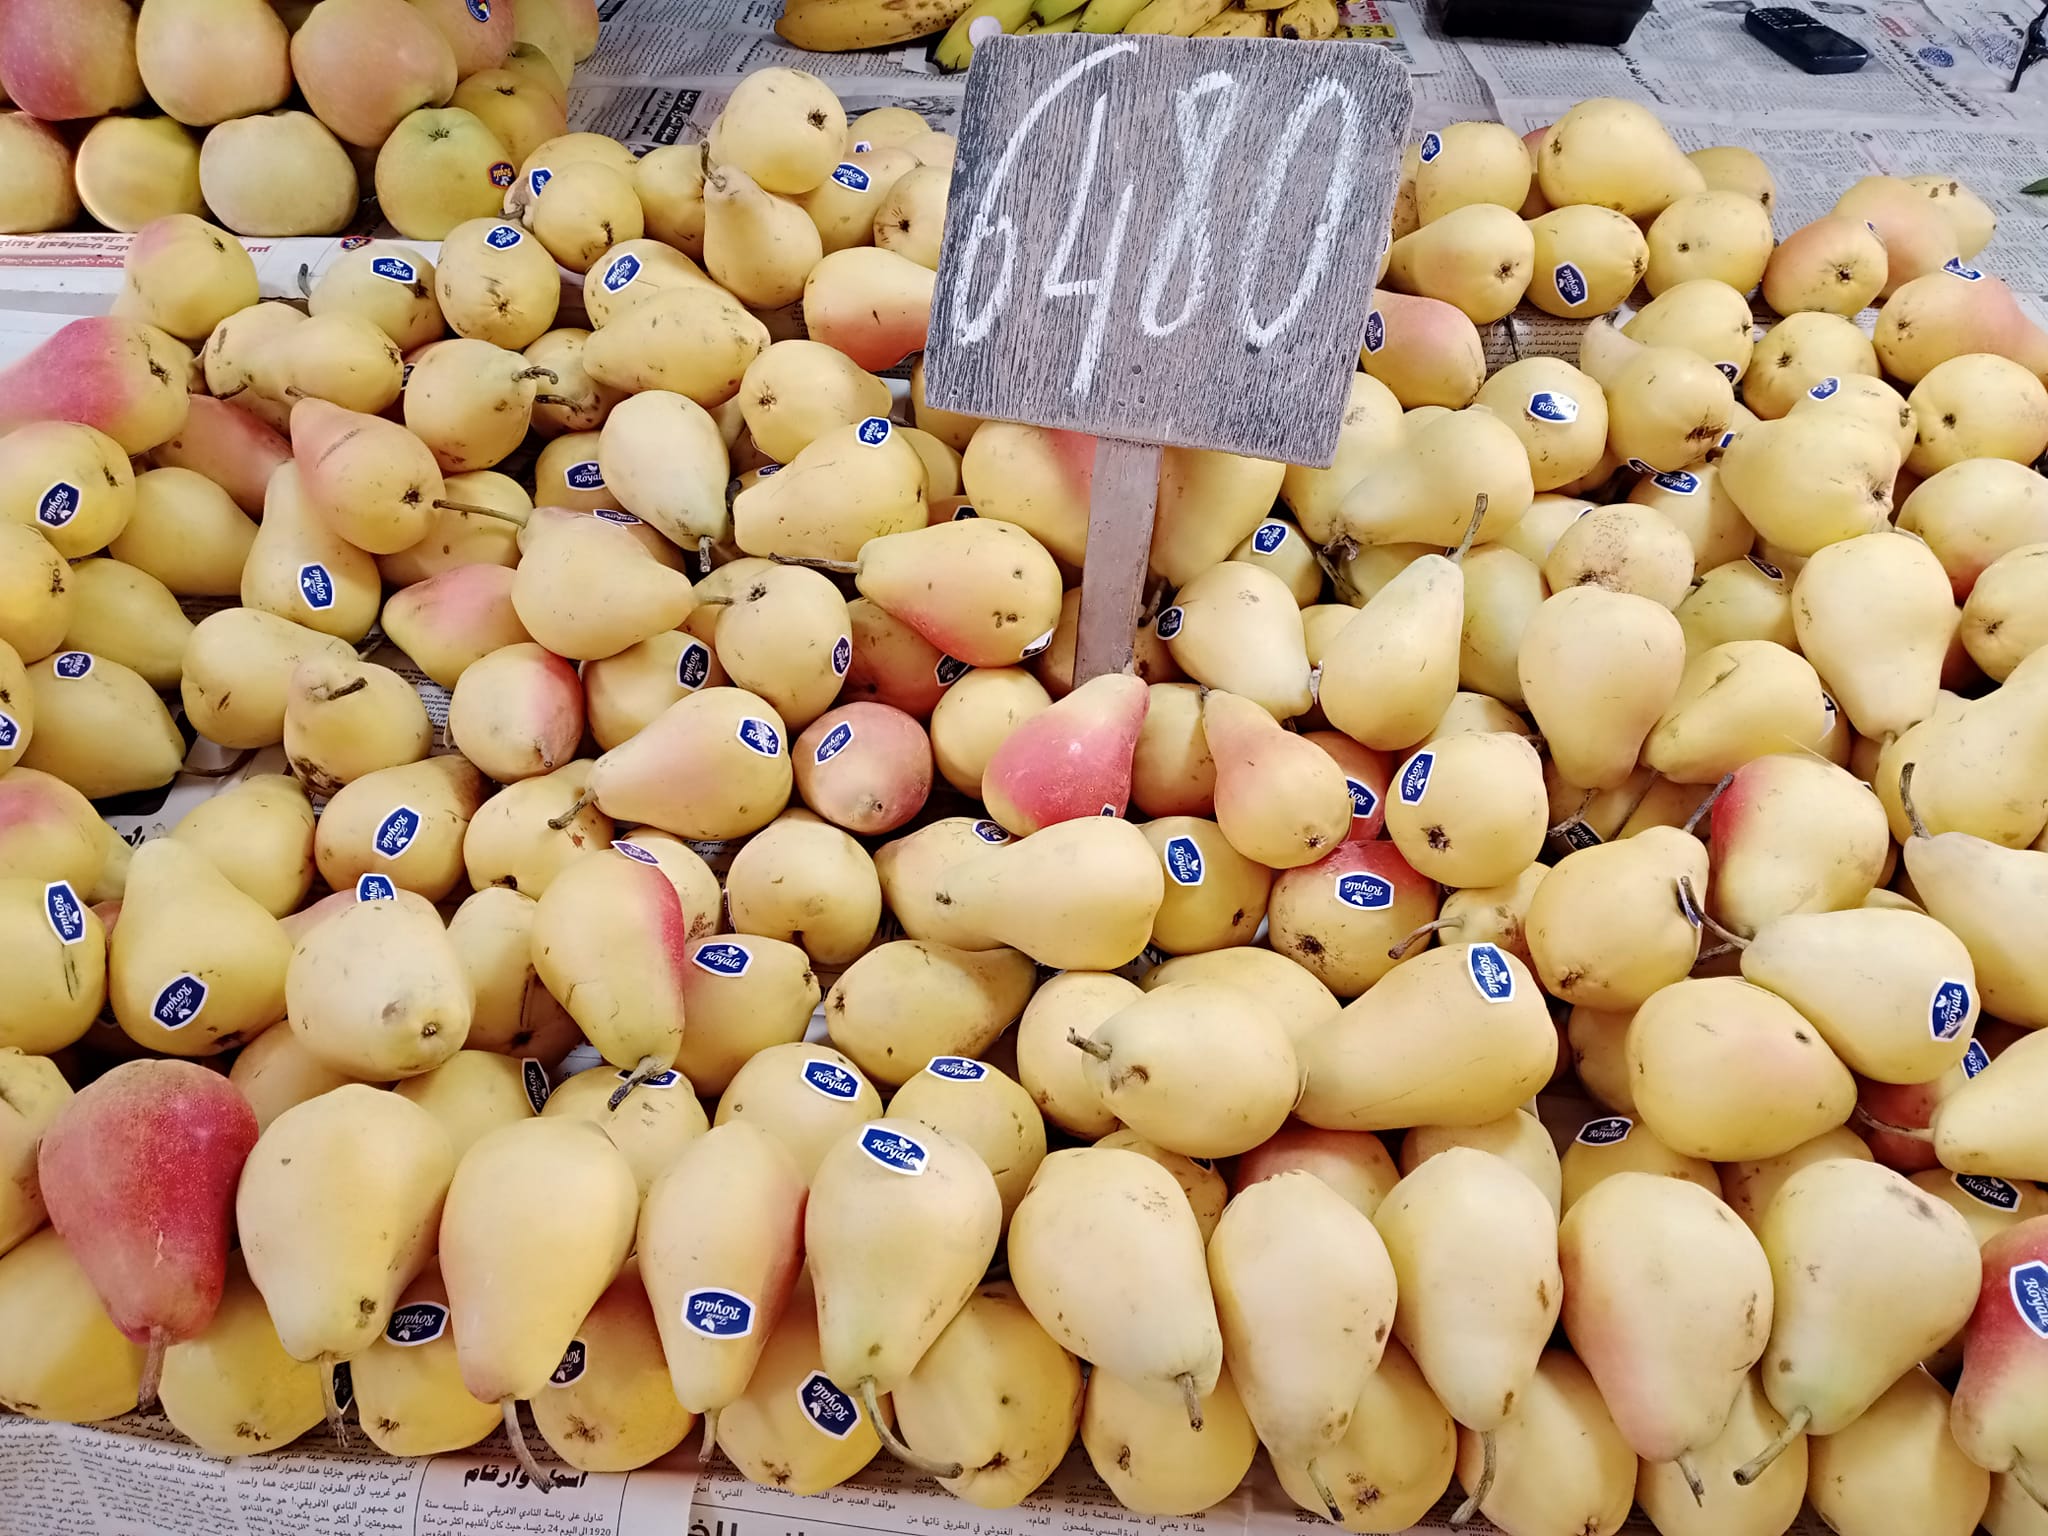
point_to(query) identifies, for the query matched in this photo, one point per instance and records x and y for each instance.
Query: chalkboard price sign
(1167, 240)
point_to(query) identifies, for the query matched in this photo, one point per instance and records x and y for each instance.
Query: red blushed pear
(1071, 760)
(127, 379)
(139, 1173)
(1366, 774)
(1999, 1415)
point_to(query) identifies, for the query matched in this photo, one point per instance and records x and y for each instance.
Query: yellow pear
(995, 1395)
(849, 484)
(1305, 1298)
(1518, 1138)
(1721, 1506)
(758, 246)
(806, 1096)
(1903, 1275)
(1198, 1068)
(1280, 800)
(1392, 1463)
(1611, 924)
(651, 1128)
(1608, 1145)
(1079, 895)
(784, 635)
(904, 1002)
(259, 833)
(378, 992)
(794, 1427)
(513, 840)
(1430, 489)
(1478, 257)
(1736, 702)
(299, 569)
(1051, 1070)
(694, 340)
(237, 673)
(551, 1204)
(608, 942)
(1727, 1071)
(233, 1391)
(662, 457)
(55, 948)
(1215, 896)
(1556, 1462)
(67, 1363)
(1987, 1126)
(345, 719)
(1793, 834)
(1389, 675)
(32, 1091)
(585, 590)
(1668, 1304)
(609, 1406)
(127, 615)
(1598, 669)
(1875, 617)
(1474, 1248)
(275, 1072)
(472, 1093)
(337, 1211)
(713, 765)
(807, 882)
(405, 823)
(739, 997)
(1453, 1036)
(984, 1109)
(196, 967)
(877, 1318)
(1097, 1227)
(1470, 809)
(1159, 1456)
(1208, 504)
(1236, 627)
(99, 726)
(720, 1250)
(1897, 1467)
(409, 1393)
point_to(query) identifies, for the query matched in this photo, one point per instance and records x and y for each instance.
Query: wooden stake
(1122, 498)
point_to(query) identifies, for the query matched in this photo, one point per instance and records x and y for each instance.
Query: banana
(1264, 5)
(1071, 22)
(839, 26)
(1109, 15)
(956, 48)
(1238, 24)
(1177, 18)
(1310, 19)
(1053, 10)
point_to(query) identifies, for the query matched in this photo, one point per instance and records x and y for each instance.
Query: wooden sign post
(1163, 241)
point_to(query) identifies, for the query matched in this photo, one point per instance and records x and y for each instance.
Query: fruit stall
(1090, 765)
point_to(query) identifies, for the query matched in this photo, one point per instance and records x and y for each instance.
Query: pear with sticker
(1998, 1415)
(1453, 1036)
(609, 1406)
(720, 1249)
(1613, 923)
(887, 1190)
(1081, 895)
(795, 1427)
(409, 1393)
(538, 1223)
(1281, 800)
(806, 1096)
(1991, 1124)
(300, 569)
(195, 967)
(378, 992)
(1071, 760)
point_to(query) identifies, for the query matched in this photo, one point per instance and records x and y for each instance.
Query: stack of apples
(279, 116)
(1667, 732)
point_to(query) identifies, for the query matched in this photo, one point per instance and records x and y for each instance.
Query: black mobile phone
(1797, 38)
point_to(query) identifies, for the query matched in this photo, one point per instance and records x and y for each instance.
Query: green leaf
(2039, 188)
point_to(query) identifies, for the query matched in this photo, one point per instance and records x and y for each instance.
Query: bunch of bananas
(832, 26)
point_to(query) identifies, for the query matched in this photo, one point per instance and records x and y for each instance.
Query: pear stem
(577, 807)
(1471, 528)
(1577, 816)
(1094, 1048)
(234, 766)
(1400, 950)
(152, 1368)
(322, 694)
(709, 1449)
(1759, 1464)
(714, 602)
(1315, 1479)
(837, 567)
(942, 1470)
(537, 373)
(2023, 1474)
(479, 511)
(1191, 1398)
(1691, 1474)
(535, 1472)
(1906, 800)
(1470, 1507)
(704, 553)
(650, 1066)
(335, 1422)
(1910, 1132)
(1700, 811)
(1692, 898)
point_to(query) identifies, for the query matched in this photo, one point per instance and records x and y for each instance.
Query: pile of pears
(655, 757)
